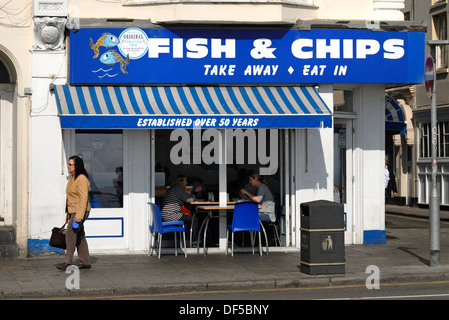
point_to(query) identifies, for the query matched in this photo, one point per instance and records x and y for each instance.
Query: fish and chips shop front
(304, 107)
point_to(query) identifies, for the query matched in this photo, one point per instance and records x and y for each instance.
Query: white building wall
(314, 163)
(137, 163)
(314, 166)
(315, 156)
(369, 189)
(48, 172)
(280, 11)
(16, 38)
(389, 9)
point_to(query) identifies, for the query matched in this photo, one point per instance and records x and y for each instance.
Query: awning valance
(394, 117)
(167, 107)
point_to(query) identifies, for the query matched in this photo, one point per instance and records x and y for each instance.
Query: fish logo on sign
(112, 57)
(132, 44)
(107, 40)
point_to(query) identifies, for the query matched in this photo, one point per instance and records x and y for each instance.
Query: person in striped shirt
(174, 199)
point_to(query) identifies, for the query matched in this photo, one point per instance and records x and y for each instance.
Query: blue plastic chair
(245, 218)
(160, 228)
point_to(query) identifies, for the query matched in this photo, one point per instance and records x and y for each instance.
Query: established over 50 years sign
(186, 56)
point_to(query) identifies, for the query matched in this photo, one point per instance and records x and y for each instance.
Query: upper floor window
(343, 100)
(440, 29)
(425, 143)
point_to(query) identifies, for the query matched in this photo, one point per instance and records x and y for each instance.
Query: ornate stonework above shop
(50, 8)
(50, 18)
(49, 33)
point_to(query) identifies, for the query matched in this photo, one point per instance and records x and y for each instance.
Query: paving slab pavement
(404, 257)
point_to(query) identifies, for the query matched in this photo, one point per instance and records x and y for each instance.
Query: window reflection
(343, 100)
(102, 152)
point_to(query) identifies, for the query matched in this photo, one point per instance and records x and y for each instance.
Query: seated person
(250, 189)
(264, 197)
(174, 199)
(201, 193)
(241, 183)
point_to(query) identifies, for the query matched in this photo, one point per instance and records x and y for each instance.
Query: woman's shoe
(84, 266)
(63, 266)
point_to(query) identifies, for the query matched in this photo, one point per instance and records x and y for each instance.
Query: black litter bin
(322, 237)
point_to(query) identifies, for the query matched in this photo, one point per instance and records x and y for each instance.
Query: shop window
(102, 152)
(180, 152)
(193, 153)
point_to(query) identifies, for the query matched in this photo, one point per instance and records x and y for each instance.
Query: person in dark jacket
(391, 186)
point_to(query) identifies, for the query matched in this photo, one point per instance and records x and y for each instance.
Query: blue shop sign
(225, 56)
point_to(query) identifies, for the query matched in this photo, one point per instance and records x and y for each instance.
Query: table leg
(223, 241)
(203, 226)
(205, 233)
(191, 229)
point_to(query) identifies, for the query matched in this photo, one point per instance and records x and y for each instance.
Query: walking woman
(77, 209)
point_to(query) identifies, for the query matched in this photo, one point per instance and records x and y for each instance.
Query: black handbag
(57, 238)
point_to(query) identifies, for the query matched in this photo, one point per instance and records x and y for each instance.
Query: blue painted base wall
(374, 237)
(39, 246)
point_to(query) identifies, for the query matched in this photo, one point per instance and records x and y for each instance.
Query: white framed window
(425, 143)
(424, 163)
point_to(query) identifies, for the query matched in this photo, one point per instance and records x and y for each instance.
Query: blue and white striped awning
(134, 107)
(394, 117)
